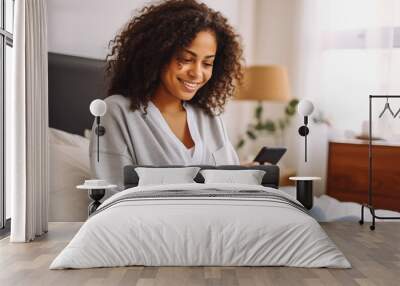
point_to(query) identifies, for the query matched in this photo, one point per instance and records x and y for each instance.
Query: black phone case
(270, 155)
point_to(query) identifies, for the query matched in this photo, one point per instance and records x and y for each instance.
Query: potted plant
(267, 127)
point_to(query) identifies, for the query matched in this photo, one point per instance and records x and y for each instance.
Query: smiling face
(191, 68)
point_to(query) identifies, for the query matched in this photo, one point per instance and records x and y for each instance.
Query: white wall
(84, 28)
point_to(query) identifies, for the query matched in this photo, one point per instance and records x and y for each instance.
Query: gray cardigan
(133, 137)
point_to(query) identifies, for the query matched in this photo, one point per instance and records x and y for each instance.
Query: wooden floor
(375, 257)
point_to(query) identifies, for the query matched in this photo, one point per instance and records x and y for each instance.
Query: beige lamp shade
(264, 83)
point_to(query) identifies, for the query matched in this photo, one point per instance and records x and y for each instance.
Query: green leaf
(270, 126)
(259, 126)
(251, 135)
(294, 102)
(240, 144)
(258, 111)
(290, 109)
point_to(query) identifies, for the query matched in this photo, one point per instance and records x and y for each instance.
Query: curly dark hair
(150, 41)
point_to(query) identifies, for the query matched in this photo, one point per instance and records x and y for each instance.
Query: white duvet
(183, 231)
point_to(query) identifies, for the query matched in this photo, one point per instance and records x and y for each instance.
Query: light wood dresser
(347, 178)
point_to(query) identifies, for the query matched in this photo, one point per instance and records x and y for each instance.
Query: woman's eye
(190, 60)
(185, 60)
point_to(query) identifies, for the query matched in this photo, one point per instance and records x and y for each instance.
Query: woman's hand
(250, 164)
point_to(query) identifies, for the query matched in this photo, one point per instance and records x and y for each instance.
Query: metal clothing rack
(369, 205)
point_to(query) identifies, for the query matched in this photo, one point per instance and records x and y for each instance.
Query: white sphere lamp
(305, 107)
(98, 108)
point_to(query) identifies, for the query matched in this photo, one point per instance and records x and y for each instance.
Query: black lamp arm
(100, 131)
(304, 131)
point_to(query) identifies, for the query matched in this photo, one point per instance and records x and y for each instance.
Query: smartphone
(270, 155)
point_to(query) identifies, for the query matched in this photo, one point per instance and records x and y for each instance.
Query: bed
(198, 224)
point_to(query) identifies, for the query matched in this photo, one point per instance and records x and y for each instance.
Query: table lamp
(267, 82)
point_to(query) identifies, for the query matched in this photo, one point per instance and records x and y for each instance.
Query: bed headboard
(73, 83)
(270, 179)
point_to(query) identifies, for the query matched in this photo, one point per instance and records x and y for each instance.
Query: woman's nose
(195, 71)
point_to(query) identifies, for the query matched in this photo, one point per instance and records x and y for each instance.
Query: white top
(191, 151)
(137, 138)
(304, 178)
(197, 152)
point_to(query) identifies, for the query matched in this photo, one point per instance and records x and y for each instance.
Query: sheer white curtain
(27, 124)
(348, 49)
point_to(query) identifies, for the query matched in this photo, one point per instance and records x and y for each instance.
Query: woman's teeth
(190, 85)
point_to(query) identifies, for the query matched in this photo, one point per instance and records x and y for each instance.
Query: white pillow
(162, 176)
(69, 167)
(61, 137)
(248, 177)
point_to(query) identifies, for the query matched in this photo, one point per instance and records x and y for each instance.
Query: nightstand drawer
(347, 168)
(348, 174)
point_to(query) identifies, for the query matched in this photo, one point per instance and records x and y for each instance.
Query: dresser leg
(372, 227)
(361, 221)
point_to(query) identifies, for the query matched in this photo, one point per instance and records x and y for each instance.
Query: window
(351, 49)
(6, 44)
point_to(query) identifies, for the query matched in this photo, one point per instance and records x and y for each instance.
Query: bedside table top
(304, 178)
(86, 187)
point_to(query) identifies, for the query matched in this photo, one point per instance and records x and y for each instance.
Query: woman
(172, 70)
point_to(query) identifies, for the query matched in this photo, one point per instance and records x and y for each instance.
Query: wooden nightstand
(347, 178)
